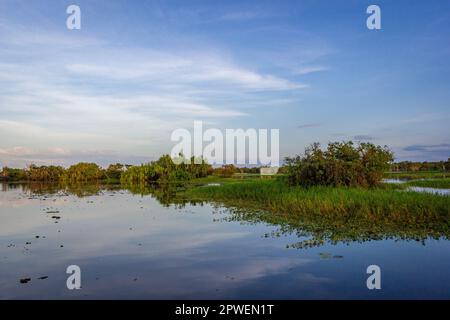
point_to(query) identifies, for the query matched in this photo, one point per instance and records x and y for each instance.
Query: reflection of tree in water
(64, 189)
(165, 193)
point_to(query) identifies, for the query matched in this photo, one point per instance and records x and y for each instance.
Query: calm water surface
(133, 247)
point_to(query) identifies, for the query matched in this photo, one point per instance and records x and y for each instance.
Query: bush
(44, 173)
(342, 164)
(83, 172)
(225, 171)
(10, 174)
(114, 171)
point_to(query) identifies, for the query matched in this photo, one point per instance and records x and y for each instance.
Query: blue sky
(137, 70)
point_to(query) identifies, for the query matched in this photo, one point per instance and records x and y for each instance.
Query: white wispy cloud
(64, 95)
(309, 69)
(166, 68)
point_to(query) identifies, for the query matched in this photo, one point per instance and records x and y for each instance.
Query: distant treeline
(162, 170)
(81, 172)
(340, 164)
(421, 166)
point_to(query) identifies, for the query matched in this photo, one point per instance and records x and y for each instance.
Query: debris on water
(325, 255)
(43, 278)
(61, 246)
(56, 217)
(37, 237)
(338, 257)
(28, 242)
(56, 211)
(25, 280)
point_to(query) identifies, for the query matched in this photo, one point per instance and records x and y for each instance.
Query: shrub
(44, 173)
(226, 171)
(83, 172)
(114, 171)
(341, 164)
(10, 174)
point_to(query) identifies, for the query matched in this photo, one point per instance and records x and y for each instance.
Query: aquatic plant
(336, 214)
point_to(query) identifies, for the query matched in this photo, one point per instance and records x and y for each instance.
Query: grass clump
(335, 213)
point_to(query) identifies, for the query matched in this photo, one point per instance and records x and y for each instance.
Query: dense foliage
(341, 164)
(44, 173)
(225, 171)
(114, 171)
(165, 170)
(83, 172)
(33, 173)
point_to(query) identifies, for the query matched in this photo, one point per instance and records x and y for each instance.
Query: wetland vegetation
(325, 214)
(336, 194)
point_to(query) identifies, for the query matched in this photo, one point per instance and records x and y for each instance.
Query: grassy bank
(335, 214)
(417, 175)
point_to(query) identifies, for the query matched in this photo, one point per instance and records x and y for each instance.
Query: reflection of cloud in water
(21, 214)
(132, 247)
(185, 277)
(119, 237)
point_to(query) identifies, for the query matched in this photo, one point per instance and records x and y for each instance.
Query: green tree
(341, 164)
(83, 172)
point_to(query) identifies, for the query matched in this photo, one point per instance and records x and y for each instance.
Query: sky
(115, 90)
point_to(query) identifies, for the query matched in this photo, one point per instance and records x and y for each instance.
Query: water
(430, 190)
(438, 191)
(395, 180)
(130, 246)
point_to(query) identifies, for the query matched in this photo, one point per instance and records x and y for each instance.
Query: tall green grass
(336, 214)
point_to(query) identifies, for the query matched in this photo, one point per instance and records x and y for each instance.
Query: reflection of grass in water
(334, 214)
